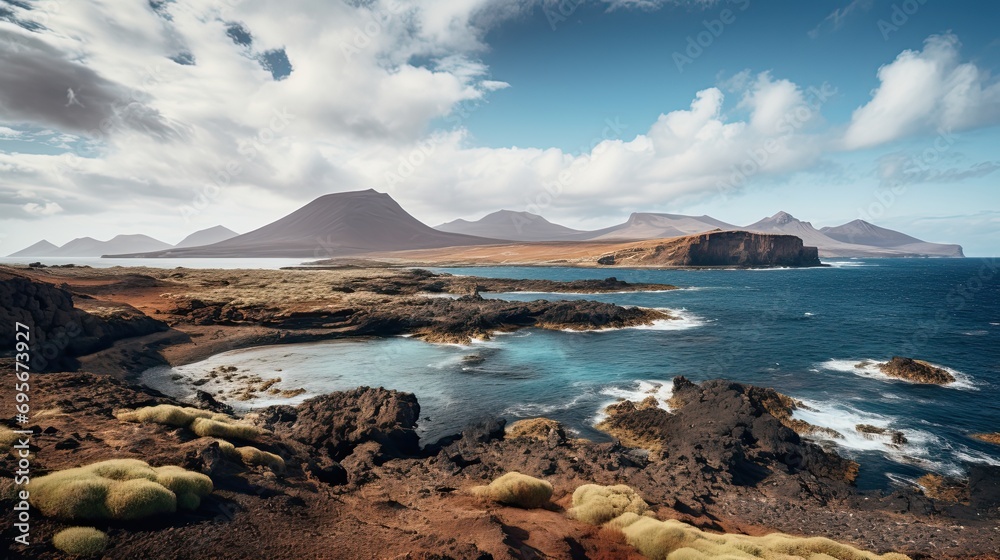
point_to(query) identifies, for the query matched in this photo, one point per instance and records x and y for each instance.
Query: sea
(801, 331)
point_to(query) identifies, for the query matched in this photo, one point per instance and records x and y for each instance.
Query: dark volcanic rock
(719, 248)
(984, 487)
(339, 422)
(916, 371)
(59, 331)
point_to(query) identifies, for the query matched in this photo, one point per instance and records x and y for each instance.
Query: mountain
(863, 233)
(842, 244)
(643, 225)
(90, 247)
(207, 237)
(348, 223)
(41, 249)
(513, 226)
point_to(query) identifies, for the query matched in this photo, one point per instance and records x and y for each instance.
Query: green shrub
(516, 489)
(674, 540)
(168, 415)
(253, 456)
(189, 487)
(80, 541)
(599, 504)
(7, 438)
(117, 489)
(206, 427)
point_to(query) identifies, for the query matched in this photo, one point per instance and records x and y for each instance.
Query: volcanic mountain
(842, 244)
(207, 237)
(513, 226)
(41, 249)
(645, 225)
(863, 233)
(90, 247)
(333, 225)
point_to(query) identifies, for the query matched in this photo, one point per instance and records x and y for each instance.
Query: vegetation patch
(597, 505)
(251, 456)
(534, 428)
(80, 541)
(620, 508)
(118, 489)
(516, 489)
(203, 423)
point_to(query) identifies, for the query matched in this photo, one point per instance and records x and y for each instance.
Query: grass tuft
(599, 504)
(117, 489)
(80, 541)
(516, 489)
(206, 427)
(675, 540)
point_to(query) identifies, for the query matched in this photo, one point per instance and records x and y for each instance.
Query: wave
(583, 293)
(638, 391)
(870, 370)
(976, 333)
(847, 264)
(923, 448)
(531, 410)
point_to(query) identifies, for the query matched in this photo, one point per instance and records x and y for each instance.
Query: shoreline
(739, 494)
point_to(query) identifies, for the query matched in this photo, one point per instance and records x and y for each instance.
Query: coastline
(815, 497)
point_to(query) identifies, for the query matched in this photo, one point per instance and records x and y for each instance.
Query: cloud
(42, 85)
(46, 209)
(923, 91)
(899, 169)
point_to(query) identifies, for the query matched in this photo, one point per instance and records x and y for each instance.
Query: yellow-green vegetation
(516, 489)
(675, 540)
(168, 415)
(7, 438)
(535, 428)
(118, 489)
(80, 541)
(252, 456)
(202, 422)
(206, 427)
(597, 505)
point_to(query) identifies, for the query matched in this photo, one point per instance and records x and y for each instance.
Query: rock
(916, 371)
(942, 488)
(339, 422)
(473, 359)
(895, 436)
(984, 487)
(718, 248)
(206, 401)
(728, 428)
(988, 438)
(542, 429)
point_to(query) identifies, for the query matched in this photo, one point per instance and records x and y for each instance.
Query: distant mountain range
(333, 225)
(854, 239)
(90, 247)
(360, 222)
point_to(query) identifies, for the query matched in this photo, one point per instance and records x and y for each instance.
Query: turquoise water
(800, 331)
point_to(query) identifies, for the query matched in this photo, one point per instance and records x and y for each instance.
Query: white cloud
(924, 91)
(46, 209)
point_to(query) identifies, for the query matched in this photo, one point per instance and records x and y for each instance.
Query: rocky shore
(344, 475)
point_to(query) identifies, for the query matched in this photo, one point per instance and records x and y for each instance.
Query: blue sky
(160, 119)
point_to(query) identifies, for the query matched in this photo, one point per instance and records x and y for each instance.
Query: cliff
(718, 248)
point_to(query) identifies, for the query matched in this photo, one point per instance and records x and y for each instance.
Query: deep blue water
(798, 330)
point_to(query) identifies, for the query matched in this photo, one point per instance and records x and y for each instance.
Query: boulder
(916, 371)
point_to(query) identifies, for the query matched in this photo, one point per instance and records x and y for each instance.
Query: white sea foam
(439, 295)
(637, 391)
(582, 293)
(530, 410)
(869, 368)
(682, 320)
(847, 264)
(845, 419)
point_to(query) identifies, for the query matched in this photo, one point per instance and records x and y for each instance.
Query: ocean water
(801, 331)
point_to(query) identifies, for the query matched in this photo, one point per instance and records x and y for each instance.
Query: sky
(165, 117)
